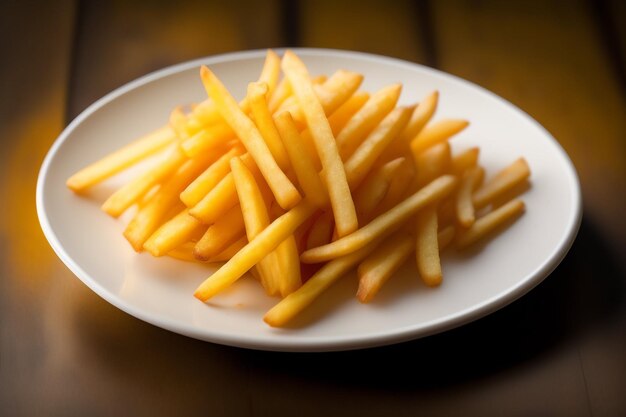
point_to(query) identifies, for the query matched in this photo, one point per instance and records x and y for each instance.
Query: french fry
(294, 303)
(464, 161)
(321, 231)
(505, 180)
(173, 233)
(335, 175)
(149, 217)
(285, 192)
(436, 133)
(359, 164)
(445, 236)
(230, 250)
(470, 179)
(340, 117)
(220, 234)
(221, 198)
(264, 122)
(421, 115)
(132, 191)
(301, 161)
(283, 90)
(431, 163)
(184, 252)
(489, 223)
(366, 119)
(289, 279)
(398, 186)
(121, 159)
(374, 188)
(207, 139)
(255, 250)
(427, 247)
(383, 225)
(206, 181)
(380, 265)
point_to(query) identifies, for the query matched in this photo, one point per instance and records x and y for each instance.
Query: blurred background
(560, 350)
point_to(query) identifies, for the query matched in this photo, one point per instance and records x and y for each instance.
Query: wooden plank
(120, 40)
(35, 44)
(365, 25)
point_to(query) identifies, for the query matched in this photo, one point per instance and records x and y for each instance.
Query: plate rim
(316, 344)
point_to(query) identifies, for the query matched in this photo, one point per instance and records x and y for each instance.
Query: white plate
(159, 291)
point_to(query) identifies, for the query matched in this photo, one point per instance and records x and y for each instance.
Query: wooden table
(560, 350)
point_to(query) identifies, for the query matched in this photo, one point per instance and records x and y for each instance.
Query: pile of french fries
(304, 180)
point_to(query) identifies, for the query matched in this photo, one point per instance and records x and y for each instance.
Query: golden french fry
(173, 233)
(398, 187)
(121, 159)
(220, 234)
(206, 181)
(340, 117)
(445, 236)
(255, 250)
(221, 198)
(437, 132)
(374, 188)
(508, 178)
(271, 71)
(431, 163)
(464, 161)
(427, 247)
(321, 231)
(230, 250)
(470, 179)
(282, 91)
(288, 258)
(490, 222)
(335, 175)
(207, 139)
(301, 161)
(264, 122)
(359, 164)
(149, 217)
(383, 225)
(366, 119)
(285, 192)
(380, 265)
(184, 252)
(421, 115)
(134, 190)
(294, 303)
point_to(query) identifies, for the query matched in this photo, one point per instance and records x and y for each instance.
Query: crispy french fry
(206, 181)
(301, 161)
(427, 247)
(230, 250)
(321, 230)
(445, 236)
(335, 175)
(149, 217)
(285, 192)
(221, 198)
(464, 161)
(121, 159)
(283, 90)
(132, 191)
(431, 163)
(366, 119)
(489, 223)
(220, 234)
(207, 139)
(340, 117)
(359, 164)
(503, 181)
(383, 225)
(398, 186)
(437, 132)
(173, 233)
(294, 303)
(263, 120)
(255, 250)
(421, 115)
(380, 265)
(470, 179)
(288, 258)
(374, 188)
